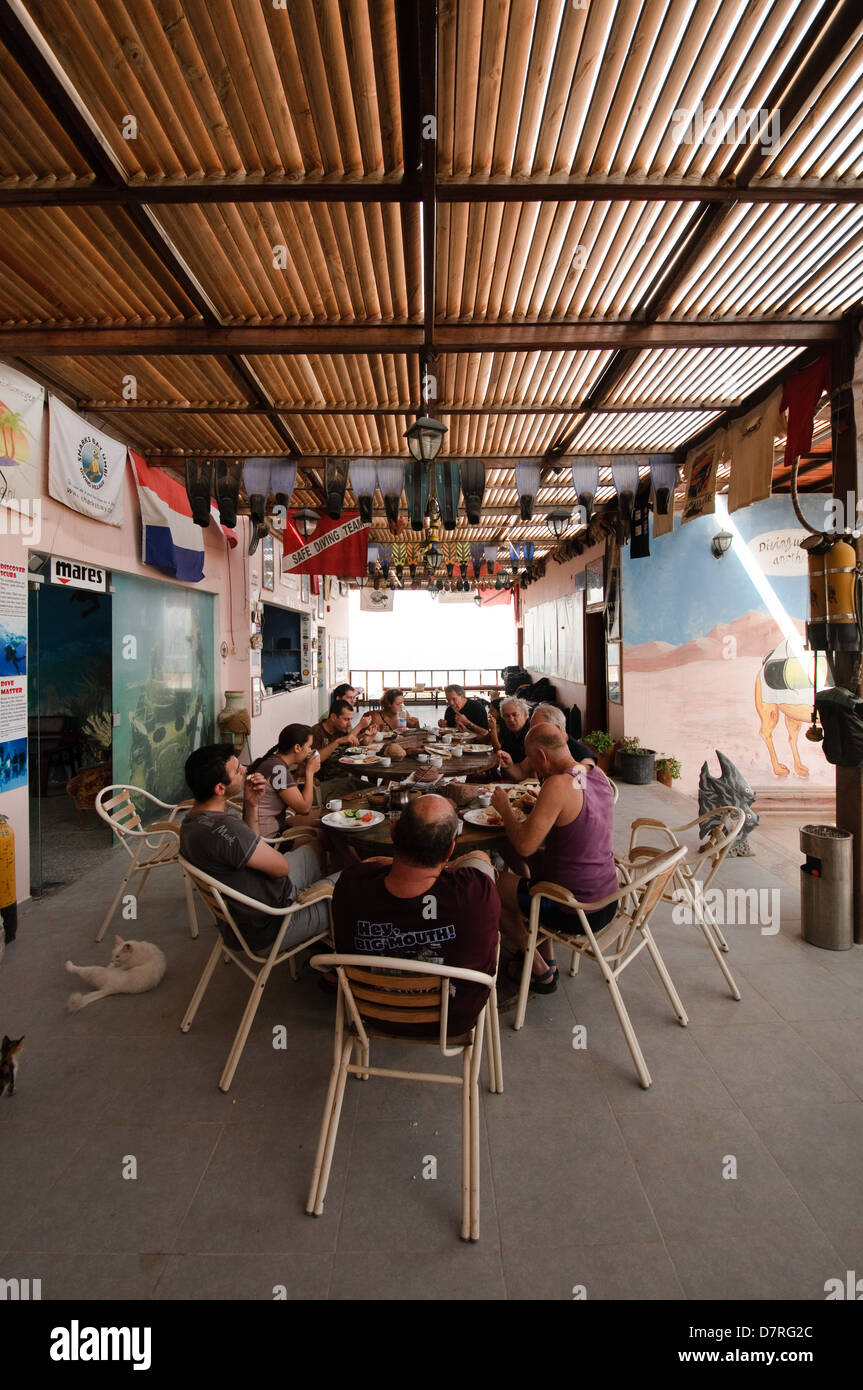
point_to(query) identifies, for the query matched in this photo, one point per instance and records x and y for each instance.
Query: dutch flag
(171, 540)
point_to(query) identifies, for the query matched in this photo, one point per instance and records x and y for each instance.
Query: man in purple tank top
(572, 821)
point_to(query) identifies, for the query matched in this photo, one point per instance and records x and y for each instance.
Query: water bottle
(401, 719)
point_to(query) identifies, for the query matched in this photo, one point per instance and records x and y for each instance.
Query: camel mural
(785, 687)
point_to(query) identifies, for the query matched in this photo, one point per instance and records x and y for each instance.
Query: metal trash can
(826, 894)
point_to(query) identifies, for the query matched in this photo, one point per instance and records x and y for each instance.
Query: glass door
(163, 690)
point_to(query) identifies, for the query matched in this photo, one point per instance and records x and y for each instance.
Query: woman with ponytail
(285, 799)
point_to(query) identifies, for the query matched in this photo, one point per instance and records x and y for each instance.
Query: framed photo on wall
(594, 591)
(268, 579)
(304, 588)
(257, 694)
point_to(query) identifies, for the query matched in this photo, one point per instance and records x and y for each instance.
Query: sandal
(540, 984)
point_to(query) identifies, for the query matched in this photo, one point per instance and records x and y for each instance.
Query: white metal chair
(418, 992)
(117, 808)
(614, 946)
(688, 880)
(215, 895)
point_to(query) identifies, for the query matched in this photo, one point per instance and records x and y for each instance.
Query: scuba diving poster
(13, 676)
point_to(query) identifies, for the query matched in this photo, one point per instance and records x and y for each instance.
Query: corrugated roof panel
(100, 381)
(652, 431)
(825, 141)
(708, 376)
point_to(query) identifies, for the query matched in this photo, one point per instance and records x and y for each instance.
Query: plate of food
(362, 758)
(356, 819)
(488, 818)
(477, 748)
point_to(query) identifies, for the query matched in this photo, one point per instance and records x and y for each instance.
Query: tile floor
(586, 1179)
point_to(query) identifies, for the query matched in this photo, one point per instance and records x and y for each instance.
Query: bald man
(573, 821)
(419, 905)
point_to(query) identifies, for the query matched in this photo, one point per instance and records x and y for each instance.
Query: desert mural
(709, 655)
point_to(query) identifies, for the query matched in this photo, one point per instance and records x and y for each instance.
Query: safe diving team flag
(170, 539)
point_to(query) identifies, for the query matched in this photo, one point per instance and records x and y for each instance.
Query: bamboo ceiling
(244, 208)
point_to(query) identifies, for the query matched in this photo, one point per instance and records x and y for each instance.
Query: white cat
(135, 966)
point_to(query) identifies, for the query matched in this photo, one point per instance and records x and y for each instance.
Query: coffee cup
(379, 738)
(457, 752)
(385, 762)
(422, 757)
(436, 760)
(334, 805)
(484, 799)
(447, 738)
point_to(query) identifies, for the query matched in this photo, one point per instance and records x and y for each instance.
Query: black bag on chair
(841, 715)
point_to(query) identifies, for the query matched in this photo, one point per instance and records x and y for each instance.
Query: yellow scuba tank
(8, 897)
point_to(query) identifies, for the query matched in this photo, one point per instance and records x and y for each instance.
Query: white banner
(85, 467)
(376, 600)
(21, 409)
(779, 552)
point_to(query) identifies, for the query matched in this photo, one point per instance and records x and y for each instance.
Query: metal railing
(423, 686)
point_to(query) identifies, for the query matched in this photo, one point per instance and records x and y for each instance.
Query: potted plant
(667, 770)
(634, 763)
(603, 746)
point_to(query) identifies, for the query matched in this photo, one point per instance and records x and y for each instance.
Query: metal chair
(117, 808)
(416, 994)
(614, 946)
(216, 895)
(687, 881)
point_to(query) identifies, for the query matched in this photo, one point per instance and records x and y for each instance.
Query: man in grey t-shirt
(231, 850)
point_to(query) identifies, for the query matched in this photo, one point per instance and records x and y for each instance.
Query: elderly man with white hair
(509, 729)
(543, 714)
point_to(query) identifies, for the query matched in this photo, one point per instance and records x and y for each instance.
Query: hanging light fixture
(306, 522)
(557, 522)
(432, 557)
(199, 485)
(425, 439)
(227, 483)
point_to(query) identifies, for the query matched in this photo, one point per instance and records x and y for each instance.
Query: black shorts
(558, 918)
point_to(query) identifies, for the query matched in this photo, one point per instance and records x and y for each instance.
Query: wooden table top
(413, 742)
(377, 836)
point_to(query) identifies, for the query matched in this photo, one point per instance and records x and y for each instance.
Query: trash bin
(826, 894)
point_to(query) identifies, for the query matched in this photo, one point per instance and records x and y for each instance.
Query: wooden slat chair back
(689, 880)
(232, 946)
(417, 993)
(152, 846)
(615, 946)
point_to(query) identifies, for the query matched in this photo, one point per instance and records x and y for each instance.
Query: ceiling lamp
(364, 477)
(432, 557)
(199, 485)
(227, 481)
(557, 522)
(527, 476)
(306, 522)
(425, 439)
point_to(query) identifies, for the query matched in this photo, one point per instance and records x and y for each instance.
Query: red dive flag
(335, 547)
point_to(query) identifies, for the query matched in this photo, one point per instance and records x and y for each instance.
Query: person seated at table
(381, 907)
(330, 737)
(468, 715)
(509, 728)
(387, 717)
(345, 692)
(232, 851)
(513, 769)
(573, 821)
(284, 801)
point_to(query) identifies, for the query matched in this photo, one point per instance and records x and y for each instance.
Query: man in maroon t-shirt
(419, 906)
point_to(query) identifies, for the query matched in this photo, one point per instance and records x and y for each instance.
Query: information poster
(13, 676)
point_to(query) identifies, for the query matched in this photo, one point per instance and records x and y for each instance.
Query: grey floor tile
(818, 1147)
(847, 1241)
(806, 994)
(34, 1160)
(591, 1272)
(252, 1197)
(542, 1070)
(93, 1208)
(682, 1079)
(464, 1271)
(769, 1265)
(80, 1277)
(681, 1163)
(269, 1277)
(707, 999)
(758, 1062)
(830, 1041)
(390, 1206)
(540, 1200)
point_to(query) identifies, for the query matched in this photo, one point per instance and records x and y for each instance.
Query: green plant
(632, 746)
(670, 766)
(599, 741)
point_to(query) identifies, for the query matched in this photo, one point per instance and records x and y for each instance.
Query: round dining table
(377, 839)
